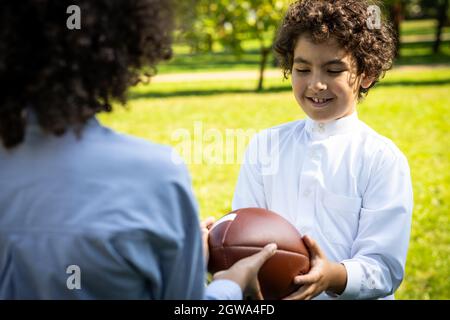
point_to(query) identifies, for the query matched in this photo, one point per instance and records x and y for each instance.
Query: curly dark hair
(345, 20)
(67, 76)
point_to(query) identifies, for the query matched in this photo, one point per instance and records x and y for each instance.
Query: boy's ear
(366, 81)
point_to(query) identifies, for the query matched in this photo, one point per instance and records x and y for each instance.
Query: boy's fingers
(208, 222)
(218, 274)
(259, 296)
(254, 290)
(313, 246)
(259, 258)
(305, 279)
(297, 295)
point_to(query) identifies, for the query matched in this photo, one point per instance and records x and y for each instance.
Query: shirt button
(307, 192)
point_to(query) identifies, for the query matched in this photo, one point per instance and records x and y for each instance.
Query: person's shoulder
(378, 146)
(287, 127)
(280, 132)
(139, 157)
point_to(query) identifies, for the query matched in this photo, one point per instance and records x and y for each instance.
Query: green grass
(411, 107)
(420, 27)
(422, 53)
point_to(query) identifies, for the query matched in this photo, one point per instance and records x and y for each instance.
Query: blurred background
(223, 77)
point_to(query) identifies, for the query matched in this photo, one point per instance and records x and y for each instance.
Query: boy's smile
(325, 80)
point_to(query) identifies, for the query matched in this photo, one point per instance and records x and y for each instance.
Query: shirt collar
(321, 130)
(33, 126)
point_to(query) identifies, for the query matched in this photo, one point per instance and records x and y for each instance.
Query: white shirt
(343, 184)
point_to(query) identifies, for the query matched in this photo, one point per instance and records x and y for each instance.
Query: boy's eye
(335, 71)
(302, 70)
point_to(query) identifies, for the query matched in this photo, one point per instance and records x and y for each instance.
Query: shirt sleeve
(166, 251)
(186, 274)
(223, 290)
(379, 250)
(249, 191)
(192, 256)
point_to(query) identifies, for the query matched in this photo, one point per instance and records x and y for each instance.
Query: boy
(338, 181)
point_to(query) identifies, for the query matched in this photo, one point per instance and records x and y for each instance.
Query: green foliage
(230, 22)
(430, 8)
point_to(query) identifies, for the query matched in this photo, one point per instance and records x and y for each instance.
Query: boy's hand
(323, 275)
(205, 225)
(245, 272)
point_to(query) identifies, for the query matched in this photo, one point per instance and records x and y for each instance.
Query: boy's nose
(317, 85)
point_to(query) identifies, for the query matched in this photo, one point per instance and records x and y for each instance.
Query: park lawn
(420, 27)
(410, 106)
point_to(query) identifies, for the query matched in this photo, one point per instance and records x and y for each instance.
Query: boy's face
(324, 79)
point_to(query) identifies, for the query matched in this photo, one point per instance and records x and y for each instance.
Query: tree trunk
(209, 43)
(442, 19)
(264, 54)
(397, 17)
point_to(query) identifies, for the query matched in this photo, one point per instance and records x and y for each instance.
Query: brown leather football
(244, 232)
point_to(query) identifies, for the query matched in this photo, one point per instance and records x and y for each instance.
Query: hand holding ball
(244, 232)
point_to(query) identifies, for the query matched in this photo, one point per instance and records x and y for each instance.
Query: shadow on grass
(212, 61)
(410, 57)
(412, 60)
(206, 92)
(410, 83)
(274, 89)
(412, 53)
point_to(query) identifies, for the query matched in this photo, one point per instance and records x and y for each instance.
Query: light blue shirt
(114, 206)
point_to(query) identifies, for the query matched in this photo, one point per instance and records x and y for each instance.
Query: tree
(230, 22)
(396, 14)
(196, 25)
(263, 19)
(442, 16)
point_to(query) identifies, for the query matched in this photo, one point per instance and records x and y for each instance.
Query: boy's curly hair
(67, 76)
(346, 21)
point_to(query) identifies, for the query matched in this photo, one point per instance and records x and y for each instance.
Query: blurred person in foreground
(76, 195)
